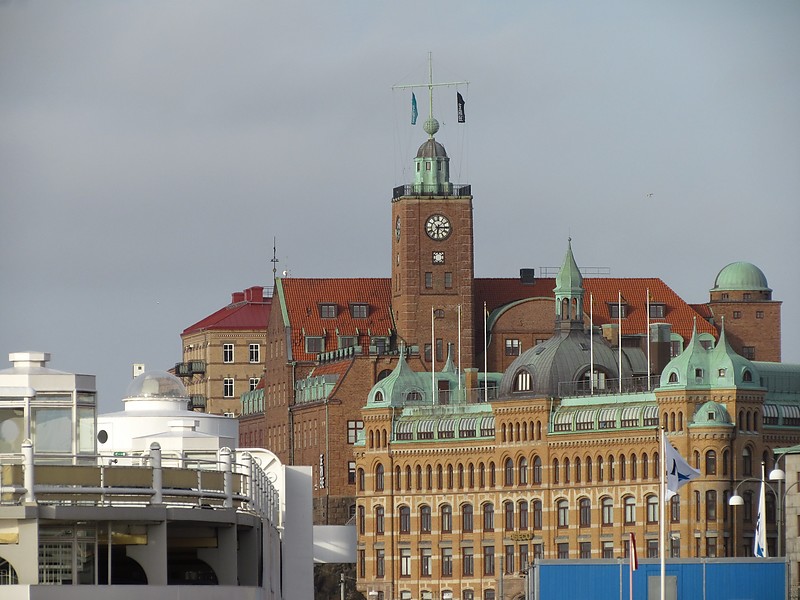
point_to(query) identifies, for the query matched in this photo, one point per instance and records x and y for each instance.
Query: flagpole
(633, 563)
(591, 344)
(433, 359)
(485, 354)
(648, 339)
(619, 336)
(662, 525)
(459, 347)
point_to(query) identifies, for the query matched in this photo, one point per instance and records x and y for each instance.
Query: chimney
(254, 294)
(527, 276)
(237, 297)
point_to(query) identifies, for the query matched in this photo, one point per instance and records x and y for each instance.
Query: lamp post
(737, 500)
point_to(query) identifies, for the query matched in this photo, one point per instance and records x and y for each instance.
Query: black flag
(460, 100)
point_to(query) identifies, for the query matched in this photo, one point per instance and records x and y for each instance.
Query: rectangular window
(711, 505)
(255, 353)
(509, 559)
(362, 563)
(523, 557)
(657, 311)
(448, 280)
(315, 344)
(405, 562)
(447, 562)
(737, 314)
(227, 353)
(425, 562)
(512, 347)
(749, 352)
(759, 314)
(327, 311)
(428, 354)
(616, 310)
(488, 560)
(608, 549)
(227, 387)
(351, 472)
(467, 562)
(347, 341)
(674, 547)
(380, 562)
(652, 548)
(253, 383)
(353, 429)
(429, 280)
(563, 550)
(585, 549)
(359, 311)
(378, 345)
(711, 547)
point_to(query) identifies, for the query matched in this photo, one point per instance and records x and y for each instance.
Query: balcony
(192, 367)
(435, 189)
(197, 401)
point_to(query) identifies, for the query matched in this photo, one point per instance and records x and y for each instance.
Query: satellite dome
(157, 385)
(741, 276)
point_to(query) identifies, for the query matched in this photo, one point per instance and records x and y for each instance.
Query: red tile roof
(242, 314)
(303, 297)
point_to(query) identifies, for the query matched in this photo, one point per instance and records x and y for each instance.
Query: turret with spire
(569, 293)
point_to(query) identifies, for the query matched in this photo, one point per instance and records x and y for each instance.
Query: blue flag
(413, 109)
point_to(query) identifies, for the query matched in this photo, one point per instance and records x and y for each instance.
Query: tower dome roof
(741, 276)
(430, 148)
(711, 414)
(158, 385)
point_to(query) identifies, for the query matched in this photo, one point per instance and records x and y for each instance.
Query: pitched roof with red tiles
(301, 300)
(250, 311)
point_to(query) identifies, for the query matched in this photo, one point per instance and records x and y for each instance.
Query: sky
(151, 151)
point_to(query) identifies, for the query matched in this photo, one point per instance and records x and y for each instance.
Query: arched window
(747, 421)
(492, 475)
(562, 510)
(588, 469)
(657, 465)
(680, 420)
(361, 520)
(672, 421)
(585, 512)
(471, 475)
(361, 480)
(523, 382)
(633, 467)
(488, 517)
(439, 477)
(447, 518)
(675, 509)
(673, 377)
(508, 512)
(555, 471)
(467, 523)
(408, 478)
(566, 470)
(383, 374)
(600, 469)
(405, 519)
(725, 459)
(460, 476)
(537, 514)
(645, 467)
(747, 462)
(538, 430)
(522, 469)
(522, 509)
(398, 483)
(747, 375)
(508, 472)
(537, 470)
(711, 462)
(419, 477)
(697, 459)
(607, 506)
(379, 522)
(741, 420)
(577, 470)
(449, 477)
(622, 468)
(429, 477)
(629, 504)
(425, 518)
(371, 439)
(379, 478)
(610, 468)
(481, 475)
(652, 508)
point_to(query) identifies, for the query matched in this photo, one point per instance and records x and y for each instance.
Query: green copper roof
(569, 278)
(741, 276)
(711, 414)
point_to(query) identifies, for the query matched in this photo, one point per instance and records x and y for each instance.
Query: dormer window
(378, 396)
(359, 311)
(523, 382)
(721, 372)
(658, 310)
(673, 377)
(698, 373)
(618, 311)
(747, 375)
(327, 311)
(315, 344)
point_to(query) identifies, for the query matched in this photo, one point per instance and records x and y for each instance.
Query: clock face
(438, 257)
(397, 229)
(437, 227)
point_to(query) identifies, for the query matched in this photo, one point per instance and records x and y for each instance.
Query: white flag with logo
(678, 470)
(760, 543)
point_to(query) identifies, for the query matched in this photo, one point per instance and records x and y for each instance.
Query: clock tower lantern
(432, 258)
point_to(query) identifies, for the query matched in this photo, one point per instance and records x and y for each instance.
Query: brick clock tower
(432, 259)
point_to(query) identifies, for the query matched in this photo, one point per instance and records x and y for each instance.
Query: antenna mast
(274, 261)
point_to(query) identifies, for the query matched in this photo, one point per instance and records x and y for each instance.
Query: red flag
(634, 558)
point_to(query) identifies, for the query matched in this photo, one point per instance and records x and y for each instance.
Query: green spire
(569, 289)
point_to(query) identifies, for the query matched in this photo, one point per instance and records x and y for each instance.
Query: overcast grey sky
(150, 151)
